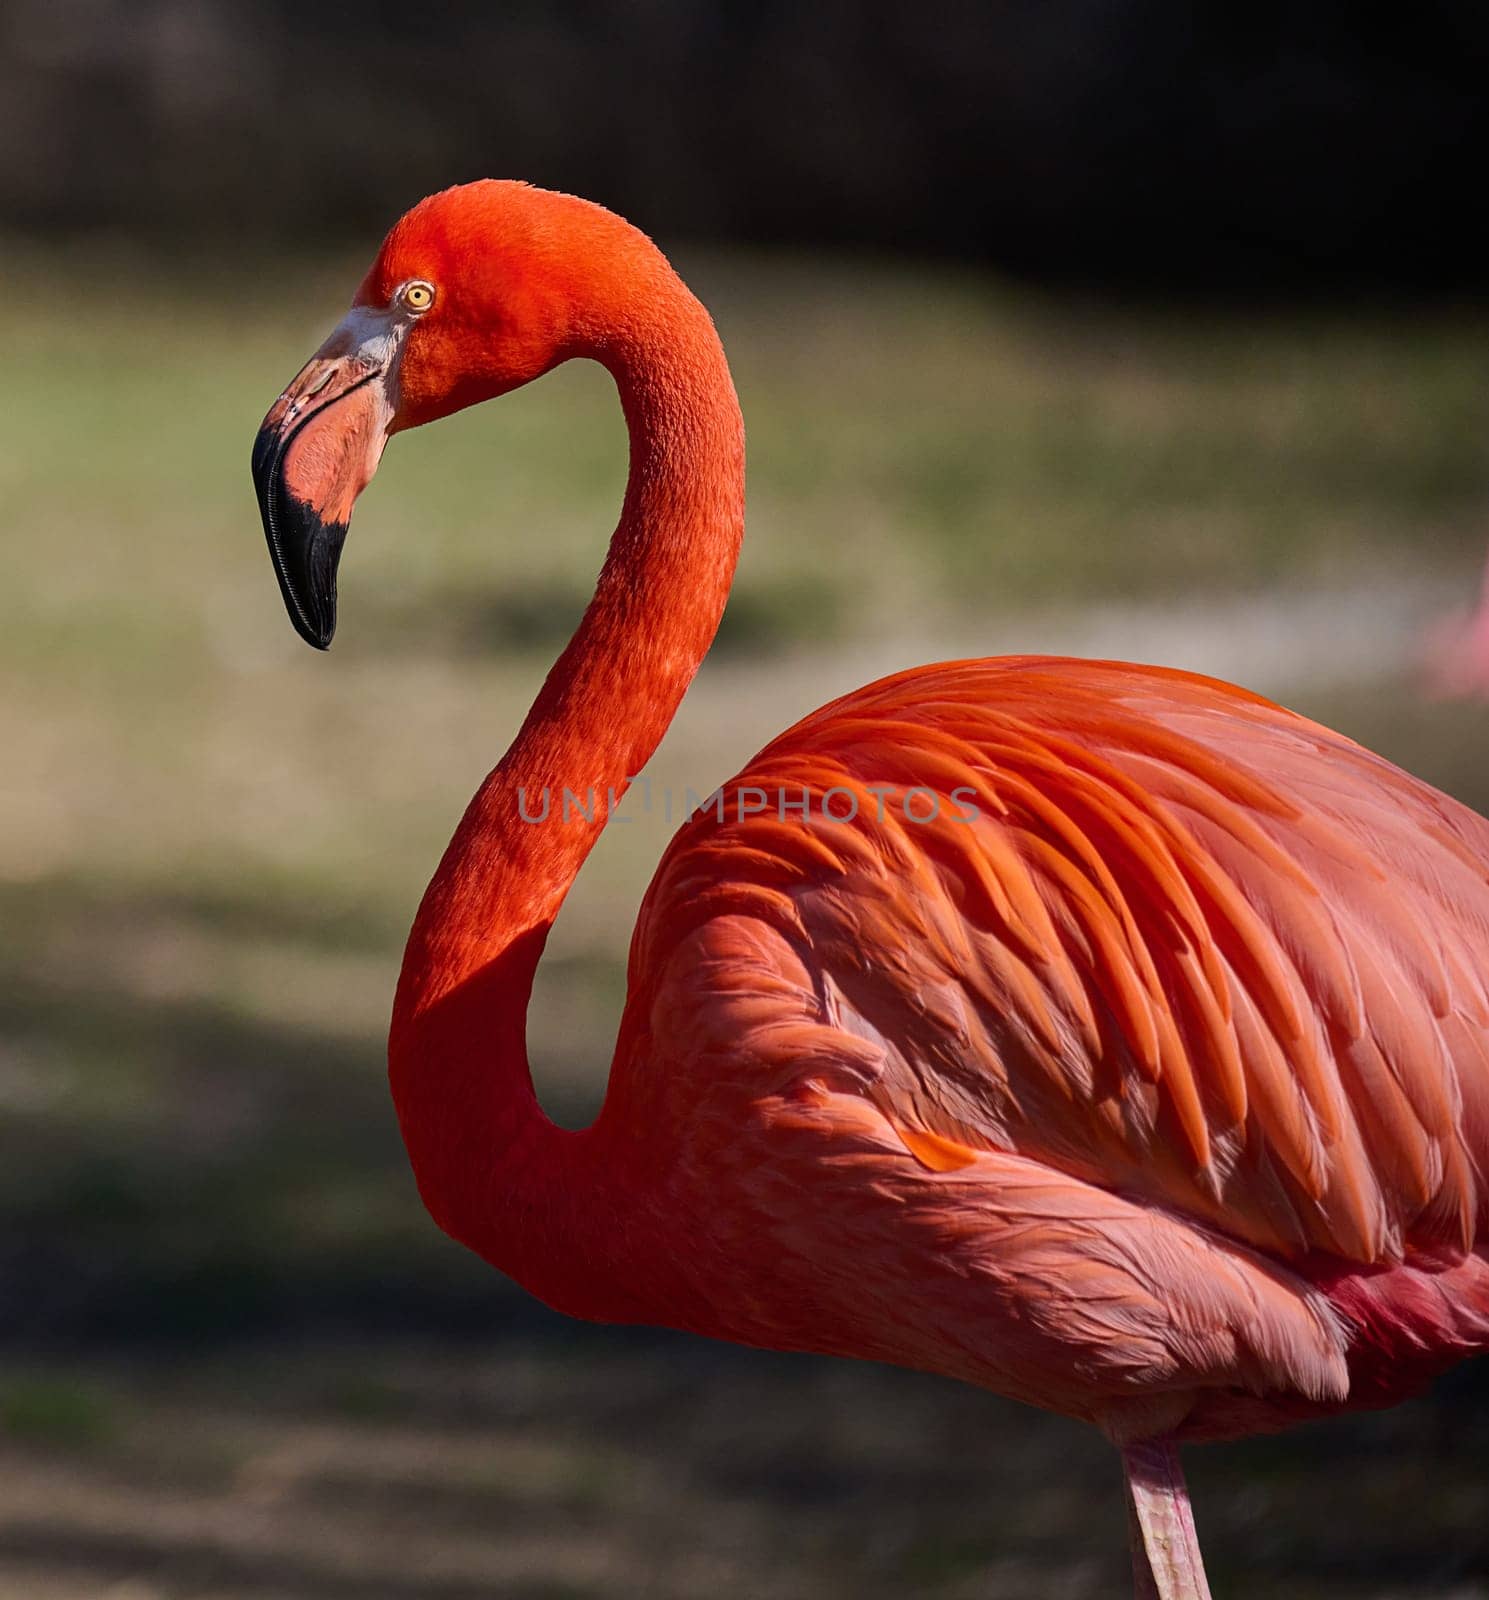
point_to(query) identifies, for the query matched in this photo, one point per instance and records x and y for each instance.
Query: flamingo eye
(416, 296)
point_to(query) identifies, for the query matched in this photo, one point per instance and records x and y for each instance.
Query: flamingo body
(1151, 1077)
(1103, 1035)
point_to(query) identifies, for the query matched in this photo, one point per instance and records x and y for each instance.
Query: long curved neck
(493, 1170)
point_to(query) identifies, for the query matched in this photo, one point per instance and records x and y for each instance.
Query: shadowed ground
(235, 1358)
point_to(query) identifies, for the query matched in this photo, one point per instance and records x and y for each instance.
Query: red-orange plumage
(1104, 1035)
(1192, 950)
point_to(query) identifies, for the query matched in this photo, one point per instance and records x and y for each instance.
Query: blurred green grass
(220, 1303)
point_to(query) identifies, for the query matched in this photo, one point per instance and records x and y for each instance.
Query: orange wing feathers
(1178, 944)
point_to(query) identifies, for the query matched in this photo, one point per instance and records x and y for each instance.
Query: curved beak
(316, 451)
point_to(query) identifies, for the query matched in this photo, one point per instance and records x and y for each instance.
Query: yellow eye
(416, 296)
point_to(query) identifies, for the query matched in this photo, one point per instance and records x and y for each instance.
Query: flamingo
(1101, 1035)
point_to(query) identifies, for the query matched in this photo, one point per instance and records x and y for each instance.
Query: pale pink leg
(1166, 1563)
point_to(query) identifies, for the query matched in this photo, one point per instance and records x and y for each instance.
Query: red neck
(494, 1171)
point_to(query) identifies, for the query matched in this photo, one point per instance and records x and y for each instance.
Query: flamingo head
(476, 291)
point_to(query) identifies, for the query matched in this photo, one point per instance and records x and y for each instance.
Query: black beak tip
(317, 635)
(304, 548)
(305, 562)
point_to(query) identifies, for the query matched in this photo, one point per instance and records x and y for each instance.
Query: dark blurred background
(1261, 148)
(1117, 327)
